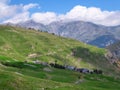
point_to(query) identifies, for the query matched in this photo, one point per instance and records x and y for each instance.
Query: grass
(18, 45)
(22, 77)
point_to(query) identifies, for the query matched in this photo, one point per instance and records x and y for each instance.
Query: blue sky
(63, 6)
(104, 12)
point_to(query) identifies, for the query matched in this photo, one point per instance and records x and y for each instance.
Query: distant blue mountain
(103, 41)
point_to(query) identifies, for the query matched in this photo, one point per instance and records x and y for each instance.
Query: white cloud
(29, 6)
(91, 14)
(7, 11)
(45, 18)
(111, 20)
(14, 13)
(18, 13)
(4, 1)
(21, 17)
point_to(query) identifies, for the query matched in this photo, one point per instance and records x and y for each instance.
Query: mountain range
(87, 32)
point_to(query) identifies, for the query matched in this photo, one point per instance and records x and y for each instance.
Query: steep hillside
(20, 48)
(31, 45)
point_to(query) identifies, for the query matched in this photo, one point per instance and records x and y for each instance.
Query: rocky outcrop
(113, 54)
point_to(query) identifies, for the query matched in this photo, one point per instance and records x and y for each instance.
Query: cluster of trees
(81, 70)
(57, 66)
(96, 71)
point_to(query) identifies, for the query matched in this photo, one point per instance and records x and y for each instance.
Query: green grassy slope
(16, 75)
(18, 45)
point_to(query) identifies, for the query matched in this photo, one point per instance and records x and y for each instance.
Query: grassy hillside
(18, 45)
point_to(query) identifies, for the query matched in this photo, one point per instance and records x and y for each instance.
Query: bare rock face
(111, 57)
(113, 54)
